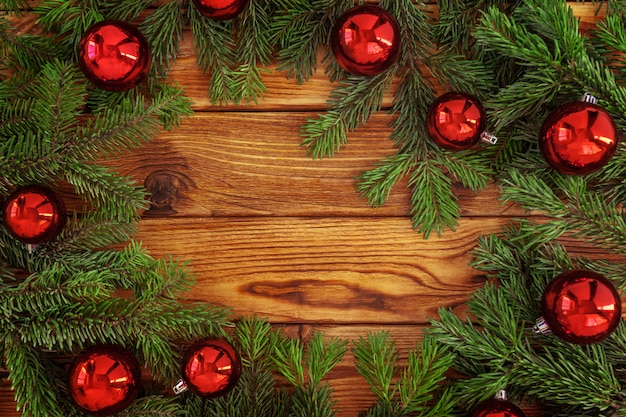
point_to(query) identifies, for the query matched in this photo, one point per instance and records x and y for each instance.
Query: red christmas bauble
(211, 367)
(365, 40)
(581, 307)
(34, 214)
(220, 9)
(114, 55)
(104, 379)
(455, 121)
(497, 408)
(578, 138)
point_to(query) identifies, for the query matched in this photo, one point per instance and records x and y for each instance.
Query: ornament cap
(541, 326)
(501, 395)
(180, 387)
(589, 98)
(488, 137)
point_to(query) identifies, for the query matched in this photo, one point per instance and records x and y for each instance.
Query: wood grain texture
(226, 164)
(341, 270)
(271, 232)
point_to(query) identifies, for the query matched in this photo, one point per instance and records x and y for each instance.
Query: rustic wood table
(273, 233)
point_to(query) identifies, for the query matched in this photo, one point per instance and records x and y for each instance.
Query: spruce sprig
(411, 389)
(353, 103)
(163, 29)
(301, 29)
(304, 366)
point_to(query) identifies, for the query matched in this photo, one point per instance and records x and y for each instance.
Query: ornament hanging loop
(180, 387)
(589, 98)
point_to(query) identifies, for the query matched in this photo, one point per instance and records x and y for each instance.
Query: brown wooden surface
(274, 233)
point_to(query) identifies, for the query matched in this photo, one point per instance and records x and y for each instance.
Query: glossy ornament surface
(104, 379)
(211, 367)
(581, 307)
(220, 9)
(114, 55)
(497, 408)
(365, 40)
(34, 214)
(578, 138)
(455, 121)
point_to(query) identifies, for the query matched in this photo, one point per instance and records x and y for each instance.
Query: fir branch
(314, 401)
(153, 406)
(253, 49)
(376, 184)
(300, 28)
(117, 197)
(533, 193)
(59, 97)
(256, 393)
(416, 390)
(353, 102)
(471, 168)
(46, 290)
(410, 105)
(132, 266)
(288, 360)
(13, 6)
(376, 360)
(163, 30)
(127, 10)
(159, 355)
(214, 48)
(296, 363)
(93, 230)
(421, 379)
(69, 19)
(255, 337)
(26, 364)
(433, 204)
(573, 375)
(584, 212)
(23, 52)
(322, 354)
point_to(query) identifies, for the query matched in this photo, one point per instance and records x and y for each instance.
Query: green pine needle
(433, 204)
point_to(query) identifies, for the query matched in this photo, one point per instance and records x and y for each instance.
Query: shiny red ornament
(578, 138)
(104, 379)
(581, 307)
(220, 9)
(455, 121)
(497, 408)
(365, 40)
(34, 214)
(114, 55)
(211, 367)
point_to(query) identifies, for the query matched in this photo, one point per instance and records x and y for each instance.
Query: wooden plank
(328, 270)
(324, 270)
(244, 164)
